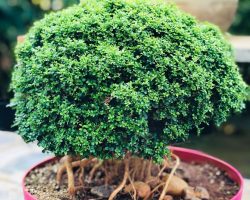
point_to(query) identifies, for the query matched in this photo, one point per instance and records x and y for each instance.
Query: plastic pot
(187, 155)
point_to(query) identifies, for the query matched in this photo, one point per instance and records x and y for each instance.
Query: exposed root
(170, 177)
(166, 164)
(146, 179)
(94, 169)
(63, 168)
(123, 183)
(81, 175)
(115, 170)
(60, 171)
(74, 164)
(153, 181)
(149, 168)
(84, 163)
(176, 186)
(71, 181)
(142, 189)
(156, 188)
(144, 164)
(105, 170)
(136, 165)
(132, 184)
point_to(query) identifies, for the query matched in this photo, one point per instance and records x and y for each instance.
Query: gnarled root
(146, 179)
(170, 177)
(149, 168)
(60, 171)
(71, 182)
(62, 168)
(68, 165)
(81, 174)
(133, 187)
(94, 169)
(80, 163)
(123, 183)
(141, 188)
(165, 165)
(144, 165)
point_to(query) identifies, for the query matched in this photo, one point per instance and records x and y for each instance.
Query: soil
(41, 182)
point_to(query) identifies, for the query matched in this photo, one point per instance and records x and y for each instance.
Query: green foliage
(110, 76)
(241, 23)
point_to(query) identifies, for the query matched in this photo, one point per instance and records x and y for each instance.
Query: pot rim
(196, 155)
(200, 156)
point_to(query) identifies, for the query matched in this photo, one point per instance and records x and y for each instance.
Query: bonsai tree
(114, 82)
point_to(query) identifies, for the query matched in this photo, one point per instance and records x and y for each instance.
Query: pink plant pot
(187, 155)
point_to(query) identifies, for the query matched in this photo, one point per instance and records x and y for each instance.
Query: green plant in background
(241, 23)
(11, 26)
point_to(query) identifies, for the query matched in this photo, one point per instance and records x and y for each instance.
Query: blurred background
(230, 142)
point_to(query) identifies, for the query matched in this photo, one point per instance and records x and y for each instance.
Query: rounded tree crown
(107, 77)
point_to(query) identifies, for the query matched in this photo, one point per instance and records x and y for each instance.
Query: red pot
(187, 155)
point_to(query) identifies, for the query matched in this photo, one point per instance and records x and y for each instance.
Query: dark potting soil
(41, 182)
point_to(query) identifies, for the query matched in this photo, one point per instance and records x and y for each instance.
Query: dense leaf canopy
(110, 76)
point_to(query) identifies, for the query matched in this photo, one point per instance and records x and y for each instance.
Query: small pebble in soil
(102, 191)
(218, 173)
(168, 197)
(201, 193)
(212, 181)
(189, 193)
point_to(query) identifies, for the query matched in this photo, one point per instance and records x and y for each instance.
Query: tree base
(141, 178)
